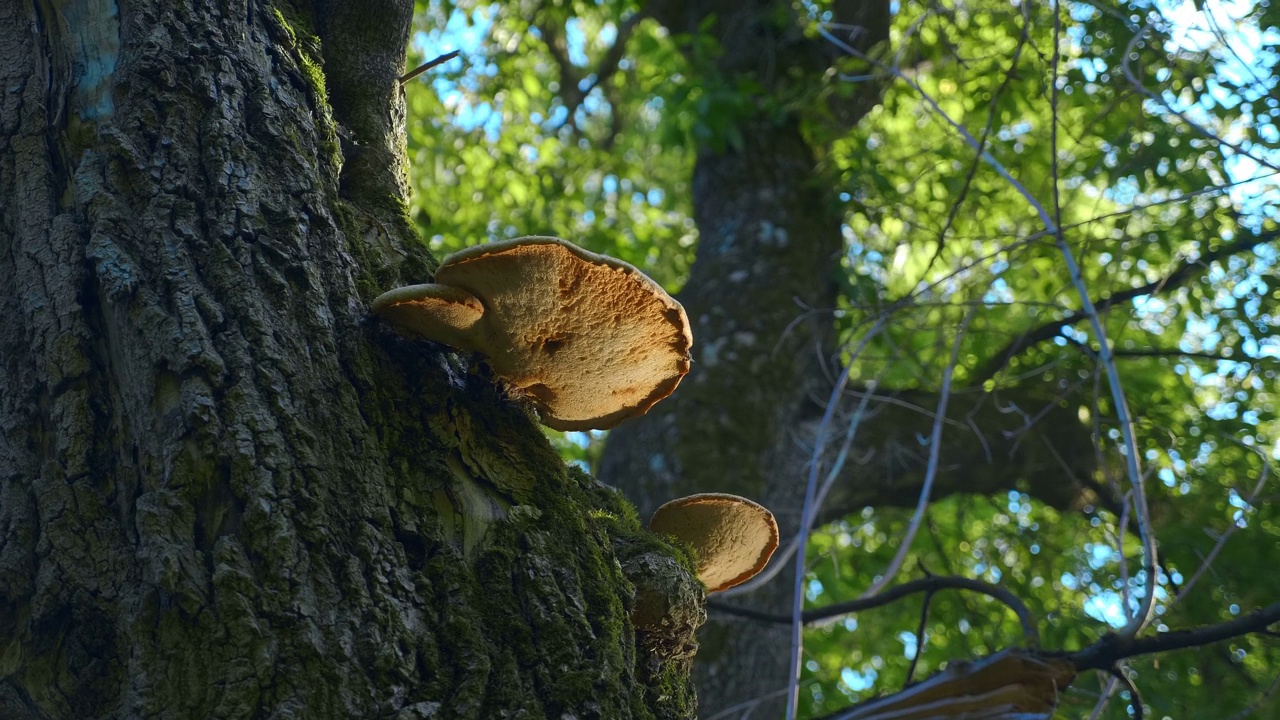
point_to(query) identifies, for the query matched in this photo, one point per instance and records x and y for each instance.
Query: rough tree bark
(759, 297)
(223, 491)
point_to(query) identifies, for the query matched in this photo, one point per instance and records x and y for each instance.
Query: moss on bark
(224, 490)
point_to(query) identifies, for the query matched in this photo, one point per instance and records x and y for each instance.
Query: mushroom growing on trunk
(589, 339)
(732, 536)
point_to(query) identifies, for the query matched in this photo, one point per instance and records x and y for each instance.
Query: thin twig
(1249, 709)
(1176, 278)
(1125, 65)
(781, 559)
(1172, 353)
(1113, 375)
(1141, 511)
(924, 619)
(954, 211)
(1135, 697)
(806, 519)
(817, 617)
(1104, 698)
(574, 88)
(1222, 540)
(609, 64)
(746, 706)
(1112, 648)
(931, 470)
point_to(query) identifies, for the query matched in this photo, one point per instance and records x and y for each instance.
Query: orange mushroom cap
(590, 339)
(733, 536)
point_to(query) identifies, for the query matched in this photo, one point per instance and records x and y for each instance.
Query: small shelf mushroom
(590, 339)
(733, 536)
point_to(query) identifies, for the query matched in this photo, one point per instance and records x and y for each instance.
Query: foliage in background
(497, 152)
(522, 137)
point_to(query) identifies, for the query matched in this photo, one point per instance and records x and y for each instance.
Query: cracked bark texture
(225, 493)
(759, 297)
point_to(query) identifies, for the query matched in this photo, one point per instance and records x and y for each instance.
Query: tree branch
(1126, 65)
(920, 635)
(1178, 277)
(1092, 353)
(1113, 648)
(1018, 438)
(572, 91)
(1032, 681)
(931, 584)
(553, 38)
(609, 64)
(427, 66)
(1010, 684)
(992, 113)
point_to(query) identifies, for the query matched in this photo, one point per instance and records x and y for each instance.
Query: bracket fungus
(733, 536)
(590, 339)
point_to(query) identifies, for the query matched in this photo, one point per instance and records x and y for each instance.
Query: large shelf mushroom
(732, 536)
(589, 339)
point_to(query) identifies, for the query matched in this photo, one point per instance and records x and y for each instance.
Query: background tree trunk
(760, 297)
(223, 491)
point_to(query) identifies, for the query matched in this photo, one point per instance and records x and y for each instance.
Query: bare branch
(1106, 654)
(1251, 708)
(609, 64)
(1009, 684)
(924, 619)
(1121, 404)
(931, 472)
(1126, 65)
(1113, 648)
(1178, 277)
(1009, 75)
(1031, 681)
(807, 513)
(1174, 352)
(1135, 697)
(1104, 697)
(1113, 377)
(783, 557)
(1025, 438)
(553, 37)
(933, 583)
(1226, 535)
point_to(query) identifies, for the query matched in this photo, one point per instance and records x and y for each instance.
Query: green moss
(534, 621)
(293, 30)
(621, 521)
(285, 27)
(375, 219)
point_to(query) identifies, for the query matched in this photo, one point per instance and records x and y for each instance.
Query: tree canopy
(1145, 133)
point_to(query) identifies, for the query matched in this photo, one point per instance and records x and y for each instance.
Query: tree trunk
(224, 492)
(760, 297)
